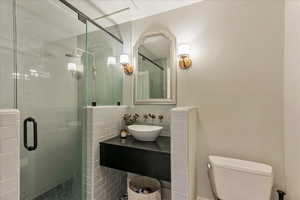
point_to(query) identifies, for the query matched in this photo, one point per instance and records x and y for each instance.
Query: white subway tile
(8, 185)
(9, 118)
(9, 154)
(8, 132)
(181, 182)
(178, 196)
(166, 194)
(11, 195)
(9, 145)
(183, 131)
(8, 166)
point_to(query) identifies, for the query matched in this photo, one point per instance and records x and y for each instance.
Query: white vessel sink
(146, 133)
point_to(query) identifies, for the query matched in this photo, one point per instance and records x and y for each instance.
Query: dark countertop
(162, 144)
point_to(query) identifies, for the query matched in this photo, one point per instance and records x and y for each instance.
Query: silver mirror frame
(173, 67)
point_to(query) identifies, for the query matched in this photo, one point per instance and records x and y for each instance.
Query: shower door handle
(35, 139)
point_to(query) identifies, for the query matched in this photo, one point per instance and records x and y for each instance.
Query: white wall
(236, 80)
(292, 98)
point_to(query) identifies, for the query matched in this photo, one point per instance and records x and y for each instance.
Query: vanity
(151, 159)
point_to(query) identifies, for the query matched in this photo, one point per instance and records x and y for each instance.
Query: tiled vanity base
(9, 154)
(146, 158)
(101, 183)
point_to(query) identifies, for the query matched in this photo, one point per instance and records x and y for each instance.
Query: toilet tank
(235, 179)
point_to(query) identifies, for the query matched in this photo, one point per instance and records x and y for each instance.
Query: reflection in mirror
(155, 60)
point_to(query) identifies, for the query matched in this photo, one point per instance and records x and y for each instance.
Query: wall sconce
(184, 56)
(124, 60)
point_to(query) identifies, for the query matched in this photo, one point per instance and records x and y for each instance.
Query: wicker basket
(144, 182)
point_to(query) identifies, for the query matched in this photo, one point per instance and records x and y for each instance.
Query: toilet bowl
(234, 179)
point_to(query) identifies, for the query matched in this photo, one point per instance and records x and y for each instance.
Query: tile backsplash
(163, 110)
(9, 155)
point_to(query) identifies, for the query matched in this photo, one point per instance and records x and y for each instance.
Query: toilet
(234, 179)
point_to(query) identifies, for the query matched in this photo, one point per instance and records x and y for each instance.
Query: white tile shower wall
(183, 153)
(103, 122)
(9, 155)
(157, 110)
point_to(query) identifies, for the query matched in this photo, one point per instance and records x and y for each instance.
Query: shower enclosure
(52, 66)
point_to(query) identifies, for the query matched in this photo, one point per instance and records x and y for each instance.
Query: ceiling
(137, 8)
(49, 20)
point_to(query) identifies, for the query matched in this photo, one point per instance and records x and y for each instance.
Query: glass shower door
(106, 85)
(49, 100)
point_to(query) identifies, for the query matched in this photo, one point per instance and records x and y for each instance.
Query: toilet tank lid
(241, 165)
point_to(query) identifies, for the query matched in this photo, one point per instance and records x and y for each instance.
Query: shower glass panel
(6, 55)
(49, 93)
(106, 80)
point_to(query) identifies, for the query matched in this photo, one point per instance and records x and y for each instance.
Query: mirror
(155, 74)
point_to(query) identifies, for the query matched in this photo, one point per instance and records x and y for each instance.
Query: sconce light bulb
(72, 67)
(184, 50)
(124, 59)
